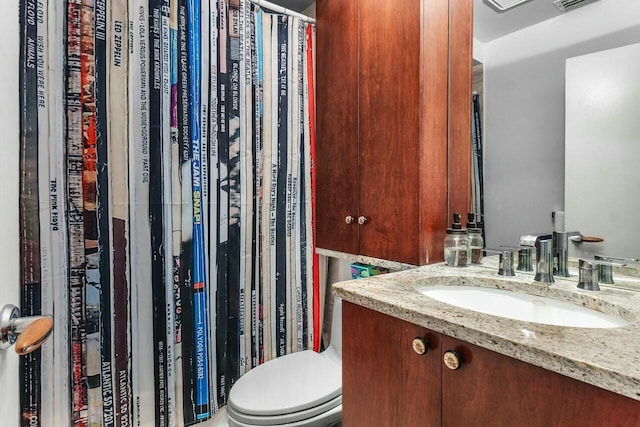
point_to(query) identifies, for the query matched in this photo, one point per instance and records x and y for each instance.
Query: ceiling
(489, 23)
(297, 5)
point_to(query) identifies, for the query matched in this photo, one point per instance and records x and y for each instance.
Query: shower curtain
(165, 203)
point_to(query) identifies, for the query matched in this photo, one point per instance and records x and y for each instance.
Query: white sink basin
(519, 306)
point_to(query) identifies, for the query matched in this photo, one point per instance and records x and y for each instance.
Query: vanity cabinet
(386, 383)
(393, 125)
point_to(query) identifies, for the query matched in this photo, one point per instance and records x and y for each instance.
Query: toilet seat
(288, 389)
(301, 417)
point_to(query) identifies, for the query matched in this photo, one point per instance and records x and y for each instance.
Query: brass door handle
(349, 219)
(34, 335)
(362, 220)
(27, 333)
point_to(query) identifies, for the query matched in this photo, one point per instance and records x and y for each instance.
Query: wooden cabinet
(492, 389)
(393, 125)
(386, 383)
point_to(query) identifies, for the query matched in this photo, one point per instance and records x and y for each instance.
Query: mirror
(602, 146)
(524, 51)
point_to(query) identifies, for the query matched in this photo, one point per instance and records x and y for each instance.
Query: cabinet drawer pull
(362, 220)
(420, 345)
(349, 219)
(452, 359)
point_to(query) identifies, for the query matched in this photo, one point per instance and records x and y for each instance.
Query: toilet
(299, 389)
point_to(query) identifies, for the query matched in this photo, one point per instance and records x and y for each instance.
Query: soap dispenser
(456, 244)
(476, 242)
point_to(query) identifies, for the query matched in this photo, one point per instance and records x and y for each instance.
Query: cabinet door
(384, 74)
(490, 389)
(337, 124)
(389, 33)
(385, 382)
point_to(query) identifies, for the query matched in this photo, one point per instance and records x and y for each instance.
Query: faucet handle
(561, 238)
(510, 249)
(579, 238)
(505, 266)
(569, 234)
(525, 255)
(589, 276)
(599, 261)
(544, 250)
(530, 240)
(605, 272)
(614, 258)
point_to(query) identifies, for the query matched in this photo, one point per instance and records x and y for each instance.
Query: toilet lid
(290, 383)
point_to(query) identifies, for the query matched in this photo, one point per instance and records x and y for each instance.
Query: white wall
(524, 112)
(478, 50)
(310, 11)
(9, 263)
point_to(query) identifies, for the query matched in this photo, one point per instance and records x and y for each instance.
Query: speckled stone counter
(391, 265)
(607, 358)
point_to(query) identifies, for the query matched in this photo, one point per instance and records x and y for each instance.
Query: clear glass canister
(476, 245)
(456, 248)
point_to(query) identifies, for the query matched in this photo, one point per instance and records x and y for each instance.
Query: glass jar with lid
(476, 241)
(456, 244)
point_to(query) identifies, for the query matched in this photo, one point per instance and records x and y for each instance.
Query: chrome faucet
(605, 271)
(589, 271)
(561, 251)
(544, 262)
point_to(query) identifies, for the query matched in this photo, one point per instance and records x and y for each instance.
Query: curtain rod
(280, 9)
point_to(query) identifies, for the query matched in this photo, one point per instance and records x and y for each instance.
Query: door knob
(27, 333)
(362, 220)
(452, 359)
(349, 219)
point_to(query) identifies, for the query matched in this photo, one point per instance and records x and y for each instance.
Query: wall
(310, 11)
(478, 50)
(524, 119)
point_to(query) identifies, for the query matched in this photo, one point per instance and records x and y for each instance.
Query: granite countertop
(607, 358)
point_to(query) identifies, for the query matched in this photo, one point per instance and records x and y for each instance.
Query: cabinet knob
(452, 359)
(362, 220)
(349, 219)
(420, 345)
